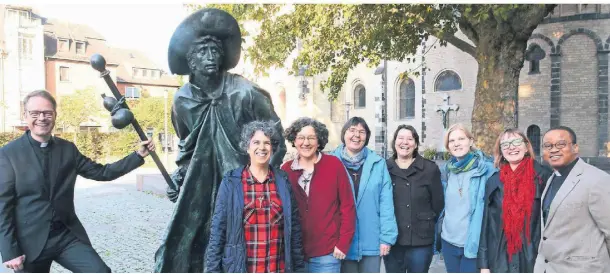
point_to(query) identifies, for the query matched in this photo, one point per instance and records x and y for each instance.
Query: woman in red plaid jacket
(255, 227)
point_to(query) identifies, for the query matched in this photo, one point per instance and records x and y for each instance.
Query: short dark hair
(564, 128)
(415, 136)
(40, 93)
(290, 133)
(354, 121)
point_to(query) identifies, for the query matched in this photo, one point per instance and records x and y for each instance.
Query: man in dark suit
(38, 224)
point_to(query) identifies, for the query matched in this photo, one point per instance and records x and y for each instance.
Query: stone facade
(572, 86)
(568, 86)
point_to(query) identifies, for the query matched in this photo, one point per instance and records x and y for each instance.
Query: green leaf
(337, 37)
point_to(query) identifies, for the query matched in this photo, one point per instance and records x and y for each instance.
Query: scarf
(470, 162)
(355, 162)
(519, 191)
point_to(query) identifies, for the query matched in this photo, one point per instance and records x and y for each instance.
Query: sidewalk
(126, 226)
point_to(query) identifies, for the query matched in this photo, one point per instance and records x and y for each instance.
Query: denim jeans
(410, 259)
(368, 264)
(455, 261)
(324, 264)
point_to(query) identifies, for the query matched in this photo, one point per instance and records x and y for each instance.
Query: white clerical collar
(44, 144)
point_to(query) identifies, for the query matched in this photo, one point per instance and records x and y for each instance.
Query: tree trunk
(500, 61)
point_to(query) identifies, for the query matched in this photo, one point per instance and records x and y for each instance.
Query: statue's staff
(99, 63)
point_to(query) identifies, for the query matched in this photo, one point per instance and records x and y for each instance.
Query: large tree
(336, 38)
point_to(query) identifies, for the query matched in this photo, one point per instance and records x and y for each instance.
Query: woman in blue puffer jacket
(376, 229)
(255, 227)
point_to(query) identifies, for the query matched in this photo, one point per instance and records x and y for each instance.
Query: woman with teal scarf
(464, 177)
(376, 229)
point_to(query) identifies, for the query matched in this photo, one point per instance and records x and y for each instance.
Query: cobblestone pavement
(126, 226)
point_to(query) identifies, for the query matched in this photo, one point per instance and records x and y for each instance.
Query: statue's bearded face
(205, 56)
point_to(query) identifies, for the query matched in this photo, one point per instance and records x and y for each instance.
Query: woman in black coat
(418, 200)
(510, 231)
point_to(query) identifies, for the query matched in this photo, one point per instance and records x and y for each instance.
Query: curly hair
(251, 128)
(290, 133)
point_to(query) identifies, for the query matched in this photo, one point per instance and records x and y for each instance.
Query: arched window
(533, 133)
(534, 54)
(360, 96)
(448, 80)
(406, 102)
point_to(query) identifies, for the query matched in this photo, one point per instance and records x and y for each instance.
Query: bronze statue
(208, 113)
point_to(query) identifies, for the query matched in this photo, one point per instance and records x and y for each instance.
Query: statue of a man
(207, 114)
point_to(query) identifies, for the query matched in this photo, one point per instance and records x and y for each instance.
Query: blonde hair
(458, 127)
(499, 158)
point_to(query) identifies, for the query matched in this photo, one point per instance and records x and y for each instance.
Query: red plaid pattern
(263, 224)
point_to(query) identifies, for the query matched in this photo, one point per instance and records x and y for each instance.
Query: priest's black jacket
(30, 201)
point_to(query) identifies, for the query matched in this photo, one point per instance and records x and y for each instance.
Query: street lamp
(381, 116)
(303, 83)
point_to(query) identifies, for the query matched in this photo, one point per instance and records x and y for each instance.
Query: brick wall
(534, 99)
(579, 91)
(573, 83)
(571, 89)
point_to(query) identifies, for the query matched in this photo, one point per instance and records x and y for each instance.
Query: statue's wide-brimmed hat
(204, 22)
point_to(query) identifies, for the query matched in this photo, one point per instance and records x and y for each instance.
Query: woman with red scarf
(510, 231)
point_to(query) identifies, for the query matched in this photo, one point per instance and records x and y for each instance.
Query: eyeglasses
(558, 145)
(46, 114)
(301, 138)
(515, 142)
(354, 131)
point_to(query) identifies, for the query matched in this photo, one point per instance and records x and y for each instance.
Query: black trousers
(64, 248)
(410, 259)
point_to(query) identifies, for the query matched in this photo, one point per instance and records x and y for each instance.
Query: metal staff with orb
(121, 115)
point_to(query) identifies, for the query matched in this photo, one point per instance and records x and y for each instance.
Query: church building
(564, 81)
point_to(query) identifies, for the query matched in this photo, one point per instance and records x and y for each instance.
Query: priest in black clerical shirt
(38, 223)
(576, 219)
(559, 176)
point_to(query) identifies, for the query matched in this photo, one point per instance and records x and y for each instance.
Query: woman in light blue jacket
(464, 177)
(376, 229)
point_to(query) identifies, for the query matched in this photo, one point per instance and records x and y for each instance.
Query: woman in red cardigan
(324, 196)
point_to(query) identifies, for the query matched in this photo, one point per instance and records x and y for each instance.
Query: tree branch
(468, 29)
(461, 44)
(528, 21)
(451, 38)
